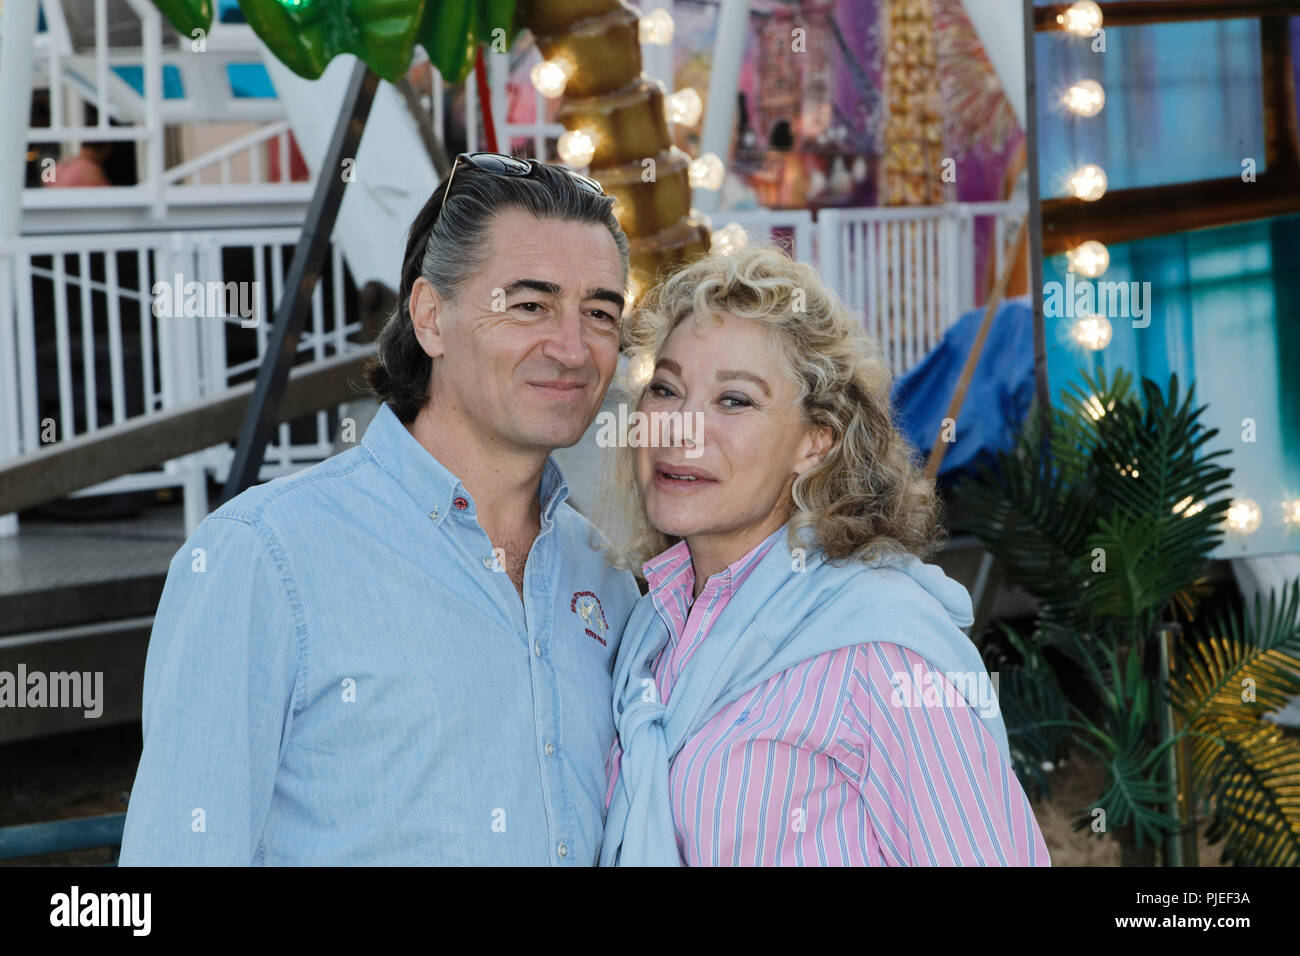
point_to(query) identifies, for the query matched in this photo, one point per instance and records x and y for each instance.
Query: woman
(794, 688)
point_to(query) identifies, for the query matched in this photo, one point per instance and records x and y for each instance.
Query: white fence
(910, 272)
(81, 312)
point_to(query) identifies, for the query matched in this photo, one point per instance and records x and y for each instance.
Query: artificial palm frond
(1143, 572)
(1135, 791)
(1111, 524)
(1188, 599)
(1242, 667)
(1033, 707)
(1152, 457)
(1075, 425)
(1251, 778)
(1033, 522)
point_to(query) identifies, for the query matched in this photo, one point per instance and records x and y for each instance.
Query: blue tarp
(999, 395)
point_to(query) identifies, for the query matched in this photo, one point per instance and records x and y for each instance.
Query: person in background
(84, 168)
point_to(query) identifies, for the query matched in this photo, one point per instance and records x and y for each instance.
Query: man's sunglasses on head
(498, 164)
(503, 165)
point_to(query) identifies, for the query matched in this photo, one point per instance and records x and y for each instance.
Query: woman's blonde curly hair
(867, 499)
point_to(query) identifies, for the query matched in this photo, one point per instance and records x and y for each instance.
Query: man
(403, 654)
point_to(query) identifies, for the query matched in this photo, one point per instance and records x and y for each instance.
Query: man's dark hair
(456, 249)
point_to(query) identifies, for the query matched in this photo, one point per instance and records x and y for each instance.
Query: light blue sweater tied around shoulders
(794, 606)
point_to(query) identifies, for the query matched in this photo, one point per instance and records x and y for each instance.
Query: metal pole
(1042, 394)
(304, 272)
(1180, 847)
(17, 30)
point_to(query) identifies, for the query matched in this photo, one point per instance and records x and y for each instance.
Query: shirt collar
(428, 481)
(671, 571)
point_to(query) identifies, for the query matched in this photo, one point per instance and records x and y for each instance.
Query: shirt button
(537, 648)
(461, 504)
(434, 514)
(490, 562)
(550, 749)
(562, 849)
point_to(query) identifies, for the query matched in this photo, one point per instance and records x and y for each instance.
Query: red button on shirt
(461, 503)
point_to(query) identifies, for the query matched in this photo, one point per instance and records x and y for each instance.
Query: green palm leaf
(1235, 658)
(1033, 707)
(1251, 778)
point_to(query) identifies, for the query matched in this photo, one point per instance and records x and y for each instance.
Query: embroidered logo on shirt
(587, 606)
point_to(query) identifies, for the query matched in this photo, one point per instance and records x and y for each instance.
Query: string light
(1292, 512)
(706, 172)
(1128, 471)
(1243, 516)
(1082, 18)
(576, 147)
(1088, 182)
(1092, 332)
(1089, 258)
(550, 77)
(729, 238)
(1086, 98)
(1187, 507)
(656, 28)
(684, 107)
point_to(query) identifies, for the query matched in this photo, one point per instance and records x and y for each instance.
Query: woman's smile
(682, 478)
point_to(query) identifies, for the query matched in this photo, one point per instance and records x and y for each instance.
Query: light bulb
(706, 172)
(1089, 258)
(550, 77)
(656, 27)
(1085, 98)
(1082, 18)
(1188, 507)
(684, 107)
(1291, 511)
(1243, 516)
(729, 238)
(1092, 332)
(576, 147)
(1088, 182)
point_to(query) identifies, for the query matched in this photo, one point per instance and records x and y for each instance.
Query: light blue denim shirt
(340, 672)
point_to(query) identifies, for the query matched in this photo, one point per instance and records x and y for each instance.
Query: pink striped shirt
(824, 763)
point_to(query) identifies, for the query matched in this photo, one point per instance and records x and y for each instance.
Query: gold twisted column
(608, 97)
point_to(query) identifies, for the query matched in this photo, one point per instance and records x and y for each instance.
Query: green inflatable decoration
(305, 35)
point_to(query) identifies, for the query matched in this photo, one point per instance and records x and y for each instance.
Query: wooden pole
(996, 295)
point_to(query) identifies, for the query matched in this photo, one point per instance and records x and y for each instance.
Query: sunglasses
(498, 164)
(503, 165)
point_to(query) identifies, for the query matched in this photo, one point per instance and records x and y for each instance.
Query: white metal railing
(75, 79)
(235, 172)
(87, 339)
(910, 270)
